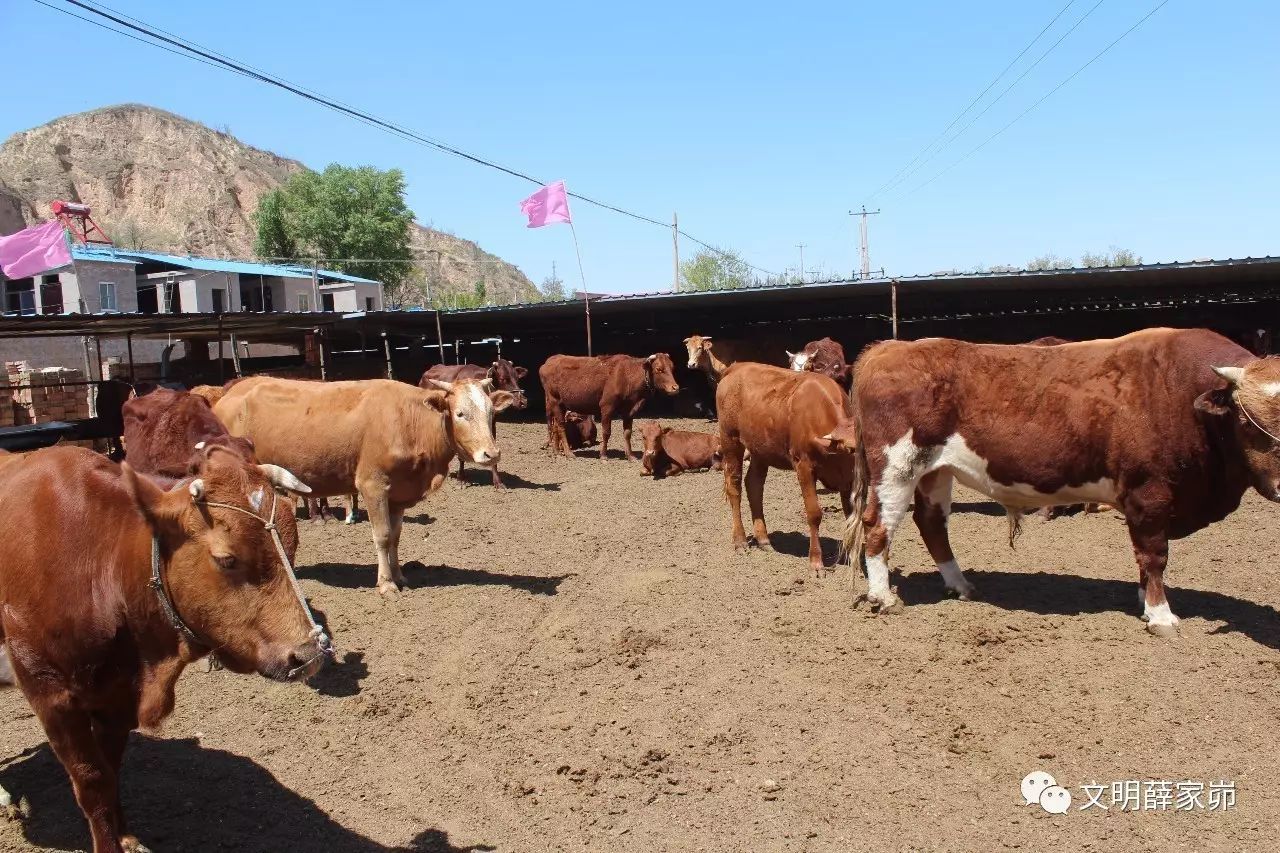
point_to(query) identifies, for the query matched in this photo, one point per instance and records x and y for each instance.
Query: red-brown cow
(823, 356)
(668, 451)
(163, 430)
(97, 622)
(1171, 426)
(503, 376)
(603, 386)
(784, 419)
(579, 431)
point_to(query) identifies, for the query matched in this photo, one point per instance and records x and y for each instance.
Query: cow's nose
(487, 457)
(305, 661)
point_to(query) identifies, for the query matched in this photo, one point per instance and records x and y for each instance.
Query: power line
(1045, 97)
(972, 103)
(998, 98)
(184, 47)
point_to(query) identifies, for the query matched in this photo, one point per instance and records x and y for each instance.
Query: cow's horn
(284, 479)
(196, 489)
(441, 384)
(1234, 375)
(789, 353)
(651, 358)
(487, 383)
(199, 445)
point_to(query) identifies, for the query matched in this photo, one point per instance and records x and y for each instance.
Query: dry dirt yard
(583, 663)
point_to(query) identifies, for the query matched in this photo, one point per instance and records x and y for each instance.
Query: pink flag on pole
(547, 206)
(33, 250)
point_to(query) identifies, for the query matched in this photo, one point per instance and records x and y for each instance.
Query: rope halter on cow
(323, 643)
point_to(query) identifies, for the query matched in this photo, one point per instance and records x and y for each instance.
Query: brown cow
(668, 451)
(580, 431)
(823, 356)
(163, 430)
(212, 393)
(1169, 425)
(603, 386)
(98, 621)
(783, 418)
(1049, 513)
(389, 441)
(505, 377)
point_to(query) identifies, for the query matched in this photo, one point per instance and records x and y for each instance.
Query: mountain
(159, 181)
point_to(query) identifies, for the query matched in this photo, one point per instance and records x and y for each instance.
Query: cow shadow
(594, 453)
(179, 795)
(1054, 594)
(980, 507)
(482, 477)
(795, 543)
(343, 678)
(419, 576)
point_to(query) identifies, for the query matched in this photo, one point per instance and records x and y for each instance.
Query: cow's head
(842, 439)
(469, 407)
(652, 433)
(1251, 401)
(799, 360)
(506, 377)
(699, 348)
(662, 373)
(221, 568)
(240, 445)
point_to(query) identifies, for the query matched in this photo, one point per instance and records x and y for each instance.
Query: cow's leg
(353, 506)
(458, 475)
(112, 732)
(932, 509)
(812, 511)
(626, 437)
(395, 517)
(376, 504)
(606, 425)
(889, 500)
(756, 473)
(1151, 547)
(94, 780)
(733, 451)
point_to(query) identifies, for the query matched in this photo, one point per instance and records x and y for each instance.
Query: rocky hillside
(158, 181)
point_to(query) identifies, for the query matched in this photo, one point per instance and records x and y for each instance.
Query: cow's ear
(706, 343)
(161, 509)
(436, 400)
(1216, 402)
(501, 400)
(521, 373)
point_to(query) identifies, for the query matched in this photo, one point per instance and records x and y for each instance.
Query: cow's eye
(226, 562)
(462, 416)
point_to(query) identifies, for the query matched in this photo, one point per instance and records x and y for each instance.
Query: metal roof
(112, 254)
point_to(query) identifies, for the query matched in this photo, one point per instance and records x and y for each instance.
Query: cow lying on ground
(165, 428)
(668, 451)
(505, 377)
(823, 356)
(1170, 426)
(318, 509)
(783, 418)
(389, 441)
(579, 431)
(100, 620)
(602, 386)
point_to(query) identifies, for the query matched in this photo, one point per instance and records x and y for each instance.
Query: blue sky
(762, 125)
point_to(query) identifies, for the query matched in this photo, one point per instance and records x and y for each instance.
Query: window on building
(20, 296)
(219, 300)
(107, 296)
(326, 302)
(51, 294)
(304, 301)
(368, 303)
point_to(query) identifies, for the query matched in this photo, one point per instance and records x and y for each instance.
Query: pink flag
(33, 250)
(547, 206)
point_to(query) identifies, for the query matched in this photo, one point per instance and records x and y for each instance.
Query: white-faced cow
(1171, 426)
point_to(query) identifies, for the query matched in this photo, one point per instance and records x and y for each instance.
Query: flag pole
(586, 297)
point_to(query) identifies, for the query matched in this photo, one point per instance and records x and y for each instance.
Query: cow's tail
(854, 528)
(1014, 517)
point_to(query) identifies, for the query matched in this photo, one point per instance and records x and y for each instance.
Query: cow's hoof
(740, 546)
(762, 543)
(1162, 629)
(963, 594)
(130, 844)
(388, 590)
(351, 519)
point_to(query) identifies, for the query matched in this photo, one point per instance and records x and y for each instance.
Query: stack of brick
(6, 407)
(46, 394)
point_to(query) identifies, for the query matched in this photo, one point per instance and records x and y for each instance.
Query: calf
(1170, 426)
(670, 451)
(98, 621)
(784, 419)
(579, 431)
(165, 428)
(389, 441)
(823, 356)
(505, 377)
(603, 386)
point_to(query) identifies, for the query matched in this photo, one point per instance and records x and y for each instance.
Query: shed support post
(128, 341)
(386, 347)
(439, 336)
(893, 295)
(235, 355)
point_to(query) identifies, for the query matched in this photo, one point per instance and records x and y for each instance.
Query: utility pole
(675, 252)
(864, 254)
(801, 246)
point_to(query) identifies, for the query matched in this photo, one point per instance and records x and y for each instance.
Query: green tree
(1049, 261)
(715, 270)
(355, 217)
(1117, 257)
(552, 288)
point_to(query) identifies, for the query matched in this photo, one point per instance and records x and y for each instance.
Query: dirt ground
(583, 663)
